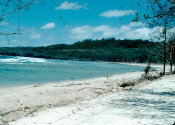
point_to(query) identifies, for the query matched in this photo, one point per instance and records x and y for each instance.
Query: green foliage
(92, 50)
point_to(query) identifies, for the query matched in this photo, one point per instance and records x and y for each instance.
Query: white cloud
(48, 26)
(106, 31)
(35, 35)
(3, 23)
(124, 28)
(140, 33)
(117, 13)
(70, 6)
(89, 32)
(83, 32)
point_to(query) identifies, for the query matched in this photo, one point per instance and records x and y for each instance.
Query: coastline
(18, 102)
(23, 101)
(151, 103)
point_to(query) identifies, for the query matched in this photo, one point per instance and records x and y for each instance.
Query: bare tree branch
(19, 8)
(11, 7)
(7, 34)
(4, 9)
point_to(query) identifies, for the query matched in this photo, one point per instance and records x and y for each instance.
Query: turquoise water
(23, 70)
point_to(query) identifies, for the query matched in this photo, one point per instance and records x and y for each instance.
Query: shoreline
(158, 67)
(65, 81)
(18, 102)
(22, 101)
(17, 82)
(150, 103)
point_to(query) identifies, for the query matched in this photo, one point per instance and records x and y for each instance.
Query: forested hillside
(92, 50)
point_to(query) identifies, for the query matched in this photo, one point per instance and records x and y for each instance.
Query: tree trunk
(164, 58)
(171, 67)
(164, 44)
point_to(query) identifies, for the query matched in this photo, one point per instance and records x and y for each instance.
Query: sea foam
(17, 59)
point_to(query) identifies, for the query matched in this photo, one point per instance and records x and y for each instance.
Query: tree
(158, 13)
(10, 7)
(171, 52)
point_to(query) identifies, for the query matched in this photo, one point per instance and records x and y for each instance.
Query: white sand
(17, 102)
(76, 102)
(153, 104)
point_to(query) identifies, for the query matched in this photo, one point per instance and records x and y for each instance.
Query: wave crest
(17, 59)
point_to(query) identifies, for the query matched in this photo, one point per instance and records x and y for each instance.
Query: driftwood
(93, 89)
(90, 88)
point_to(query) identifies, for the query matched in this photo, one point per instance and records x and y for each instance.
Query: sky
(50, 22)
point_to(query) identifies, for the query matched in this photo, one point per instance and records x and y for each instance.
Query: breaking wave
(17, 59)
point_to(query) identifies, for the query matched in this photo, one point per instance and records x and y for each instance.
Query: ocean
(15, 70)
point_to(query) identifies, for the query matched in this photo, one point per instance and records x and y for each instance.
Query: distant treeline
(92, 50)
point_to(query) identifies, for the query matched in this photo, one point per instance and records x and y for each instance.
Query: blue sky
(68, 21)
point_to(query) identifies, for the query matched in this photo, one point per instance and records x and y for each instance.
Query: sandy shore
(158, 67)
(149, 103)
(18, 102)
(24, 101)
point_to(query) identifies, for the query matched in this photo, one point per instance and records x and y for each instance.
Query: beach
(151, 103)
(18, 102)
(85, 62)
(59, 100)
